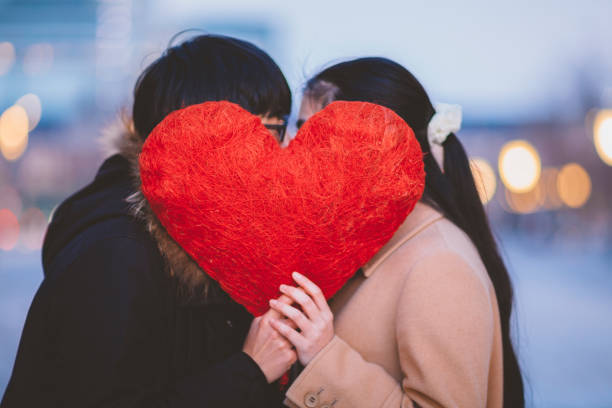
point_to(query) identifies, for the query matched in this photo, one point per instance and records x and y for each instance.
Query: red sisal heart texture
(250, 212)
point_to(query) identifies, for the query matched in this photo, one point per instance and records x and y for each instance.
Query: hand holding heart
(273, 354)
(315, 319)
(250, 212)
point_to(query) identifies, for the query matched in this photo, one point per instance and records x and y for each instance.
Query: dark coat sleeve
(95, 337)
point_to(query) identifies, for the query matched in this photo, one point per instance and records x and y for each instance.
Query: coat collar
(194, 283)
(421, 217)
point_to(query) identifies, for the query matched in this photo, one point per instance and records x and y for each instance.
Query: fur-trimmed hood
(121, 138)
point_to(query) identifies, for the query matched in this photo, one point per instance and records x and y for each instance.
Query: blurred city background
(534, 79)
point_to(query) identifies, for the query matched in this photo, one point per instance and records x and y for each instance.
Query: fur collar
(194, 284)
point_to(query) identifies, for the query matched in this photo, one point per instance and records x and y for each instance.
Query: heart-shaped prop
(250, 212)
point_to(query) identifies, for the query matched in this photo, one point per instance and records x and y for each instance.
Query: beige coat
(420, 327)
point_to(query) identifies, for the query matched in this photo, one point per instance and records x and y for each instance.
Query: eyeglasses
(279, 130)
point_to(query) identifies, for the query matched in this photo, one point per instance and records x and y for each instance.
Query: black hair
(451, 190)
(209, 68)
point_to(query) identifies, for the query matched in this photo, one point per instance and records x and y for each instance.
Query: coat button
(311, 400)
(329, 404)
(229, 323)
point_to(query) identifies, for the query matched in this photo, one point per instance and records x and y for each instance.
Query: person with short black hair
(124, 317)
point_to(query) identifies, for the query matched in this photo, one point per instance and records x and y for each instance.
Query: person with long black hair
(124, 317)
(426, 323)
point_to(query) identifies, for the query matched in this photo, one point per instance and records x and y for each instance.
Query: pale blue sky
(506, 61)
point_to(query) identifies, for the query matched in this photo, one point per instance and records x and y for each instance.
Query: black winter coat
(107, 327)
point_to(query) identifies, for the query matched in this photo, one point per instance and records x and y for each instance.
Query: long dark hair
(209, 68)
(450, 190)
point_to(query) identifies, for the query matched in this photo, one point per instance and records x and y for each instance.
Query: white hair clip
(445, 121)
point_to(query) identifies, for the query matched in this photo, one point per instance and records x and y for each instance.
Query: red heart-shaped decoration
(250, 212)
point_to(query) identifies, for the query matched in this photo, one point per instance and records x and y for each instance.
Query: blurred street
(563, 302)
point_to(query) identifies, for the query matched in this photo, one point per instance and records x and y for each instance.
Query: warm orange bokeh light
(602, 135)
(525, 203)
(13, 132)
(574, 185)
(519, 166)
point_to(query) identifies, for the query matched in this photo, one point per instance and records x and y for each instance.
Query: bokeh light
(33, 225)
(13, 132)
(38, 59)
(527, 202)
(7, 57)
(519, 166)
(548, 183)
(9, 229)
(484, 178)
(602, 135)
(574, 185)
(33, 107)
(76, 63)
